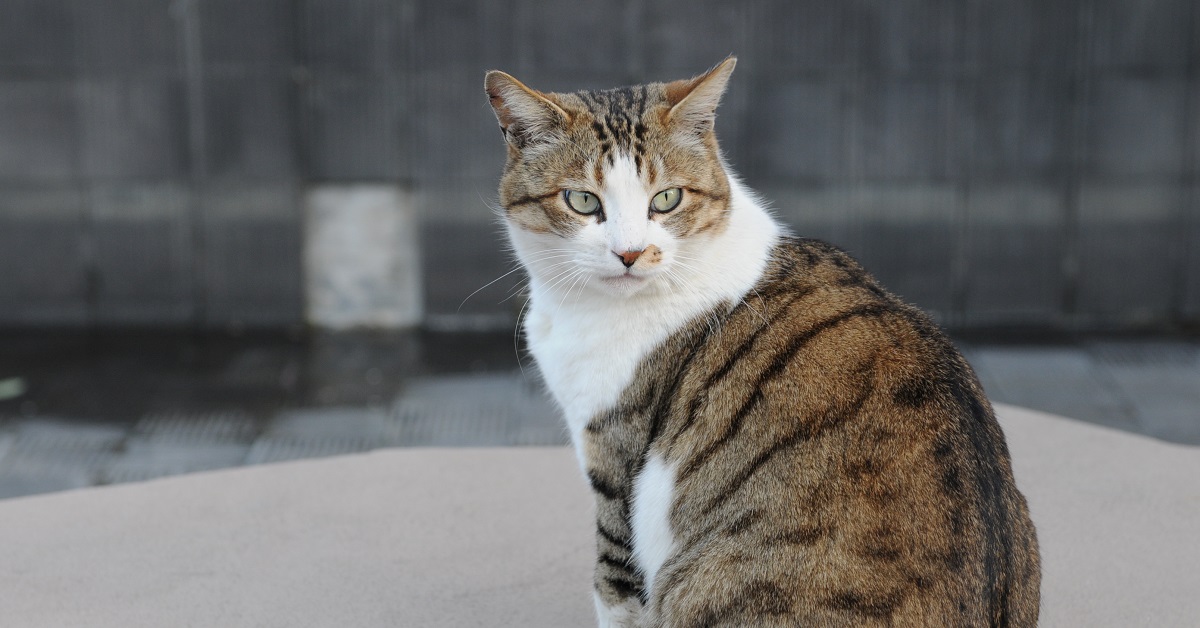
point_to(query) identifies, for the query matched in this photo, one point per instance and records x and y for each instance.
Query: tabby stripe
(780, 362)
(693, 411)
(746, 346)
(749, 470)
(709, 195)
(988, 480)
(615, 563)
(712, 223)
(620, 414)
(876, 606)
(734, 426)
(799, 536)
(528, 200)
(805, 432)
(604, 487)
(744, 522)
(672, 391)
(758, 599)
(623, 587)
(613, 538)
(785, 357)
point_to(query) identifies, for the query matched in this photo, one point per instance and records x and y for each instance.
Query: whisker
(464, 301)
(518, 289)
(569, 289)
(517, 337)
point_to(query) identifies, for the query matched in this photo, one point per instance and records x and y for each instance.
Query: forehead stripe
(715, 196)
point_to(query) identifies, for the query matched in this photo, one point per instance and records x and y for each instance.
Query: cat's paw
(624, 615)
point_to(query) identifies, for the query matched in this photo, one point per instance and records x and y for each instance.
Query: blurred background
(240, 231)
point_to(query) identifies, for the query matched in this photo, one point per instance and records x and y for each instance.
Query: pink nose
(628, 257)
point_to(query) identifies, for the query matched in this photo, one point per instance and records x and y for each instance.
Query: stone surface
(249, 128)
(1017, 127)
(503, 536)
(1127, 270)
(252, 248)
(362, 258)
(43, 276)
(127, 38)
(1014, 241)
(1136, 126)
(144, 264)
(134, 129)
(37, 140)
(31, 38)
(356, 128)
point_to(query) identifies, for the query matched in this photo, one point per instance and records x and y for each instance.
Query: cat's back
(836, 463)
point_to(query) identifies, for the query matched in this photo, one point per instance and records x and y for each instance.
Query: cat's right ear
(694, 101)
(526, 116)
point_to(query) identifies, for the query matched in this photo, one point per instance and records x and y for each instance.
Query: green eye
(666, 200)
(582, 202)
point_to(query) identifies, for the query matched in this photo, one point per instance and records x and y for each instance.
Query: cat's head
(613, 190)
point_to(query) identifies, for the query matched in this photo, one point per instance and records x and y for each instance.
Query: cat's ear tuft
(694, 101)
(526, 116)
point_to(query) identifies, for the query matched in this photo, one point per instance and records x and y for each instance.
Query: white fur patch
(653, 494)
(623, 616)
(626, 201)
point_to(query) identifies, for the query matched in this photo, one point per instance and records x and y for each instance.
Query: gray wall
(997, 162)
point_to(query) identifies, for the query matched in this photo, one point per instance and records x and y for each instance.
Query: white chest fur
(653, 495)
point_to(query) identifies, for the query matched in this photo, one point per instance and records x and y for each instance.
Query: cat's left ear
(694, 101)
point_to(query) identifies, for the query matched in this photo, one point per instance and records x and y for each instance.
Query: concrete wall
(1016, 162)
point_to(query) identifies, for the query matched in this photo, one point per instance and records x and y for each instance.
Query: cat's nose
(628, 257)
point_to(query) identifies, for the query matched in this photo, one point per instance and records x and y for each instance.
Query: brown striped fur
(837, 461)
(839, 465)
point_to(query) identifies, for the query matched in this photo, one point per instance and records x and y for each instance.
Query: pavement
(501, 536)
(84, 409)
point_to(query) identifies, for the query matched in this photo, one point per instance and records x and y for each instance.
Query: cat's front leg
(619, 586)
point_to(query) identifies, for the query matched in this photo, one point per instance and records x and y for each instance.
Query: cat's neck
(589, 344)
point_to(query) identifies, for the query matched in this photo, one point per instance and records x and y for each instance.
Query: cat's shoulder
(806, 263)
(821, 286)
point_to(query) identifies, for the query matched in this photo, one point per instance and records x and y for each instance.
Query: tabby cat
(773, 439)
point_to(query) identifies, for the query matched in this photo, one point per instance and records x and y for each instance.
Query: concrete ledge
(501, 537)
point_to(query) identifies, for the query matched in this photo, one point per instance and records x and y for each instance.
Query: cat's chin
(624, 285)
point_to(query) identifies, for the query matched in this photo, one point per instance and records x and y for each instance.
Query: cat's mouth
(625, 278)
(625, 281)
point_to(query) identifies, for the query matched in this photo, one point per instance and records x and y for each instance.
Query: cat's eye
(666, 200)
(583, 202)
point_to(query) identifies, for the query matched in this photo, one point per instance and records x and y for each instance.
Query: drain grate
(206, 427)
(1164, 353)
(478, 410)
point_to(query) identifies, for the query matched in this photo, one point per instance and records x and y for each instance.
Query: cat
(773, 439)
